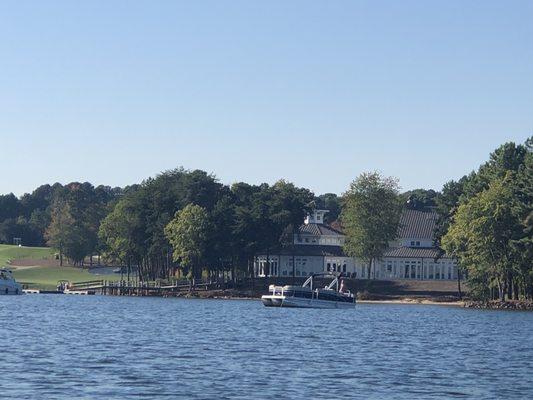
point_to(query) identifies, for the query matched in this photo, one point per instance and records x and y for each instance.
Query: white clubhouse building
(318, 248)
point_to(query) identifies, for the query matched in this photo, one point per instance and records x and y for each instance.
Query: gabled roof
(413, 252)
(415, 224)
(318, 230)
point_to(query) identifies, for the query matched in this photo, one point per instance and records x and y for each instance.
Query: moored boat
(8, 285)
(307, 296)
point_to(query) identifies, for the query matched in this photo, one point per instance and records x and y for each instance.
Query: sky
(113, 92)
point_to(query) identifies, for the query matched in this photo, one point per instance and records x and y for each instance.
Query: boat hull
(10, 288)
(267, 301)
(296, 302)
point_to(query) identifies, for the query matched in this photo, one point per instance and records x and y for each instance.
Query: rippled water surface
(119, 347)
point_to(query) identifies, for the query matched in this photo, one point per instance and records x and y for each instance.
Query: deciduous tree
(188, 233)
(370, 217)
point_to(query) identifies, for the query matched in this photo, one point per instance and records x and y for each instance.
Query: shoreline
(411, 301)
(415, 302)
(495, 306)
(507, 306)
(406, 301)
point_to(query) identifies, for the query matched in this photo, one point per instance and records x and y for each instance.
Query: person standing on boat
(342, 288)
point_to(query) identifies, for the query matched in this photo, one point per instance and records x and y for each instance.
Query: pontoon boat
(307, 296)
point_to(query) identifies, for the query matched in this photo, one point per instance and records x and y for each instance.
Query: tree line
(127, 226)
(486, 222)
(188, 221)
(66, 217)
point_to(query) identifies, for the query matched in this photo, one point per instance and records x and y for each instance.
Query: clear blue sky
(315, 92)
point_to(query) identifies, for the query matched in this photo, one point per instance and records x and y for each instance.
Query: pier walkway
(140, 288)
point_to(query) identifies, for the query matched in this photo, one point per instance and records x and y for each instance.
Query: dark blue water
(63, 347)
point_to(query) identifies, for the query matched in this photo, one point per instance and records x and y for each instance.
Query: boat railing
(276, 290)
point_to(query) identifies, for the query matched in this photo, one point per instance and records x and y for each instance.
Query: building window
(412, 243)
(418, 243)
(329, 267)
(306, 240)
(343, 267)
(284, 273)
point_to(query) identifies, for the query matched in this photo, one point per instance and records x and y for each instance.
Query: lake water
(65, 347)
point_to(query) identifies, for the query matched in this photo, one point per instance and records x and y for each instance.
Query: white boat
(306, 296)
(8, 285)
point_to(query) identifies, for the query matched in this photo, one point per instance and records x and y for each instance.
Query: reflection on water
(115, 347)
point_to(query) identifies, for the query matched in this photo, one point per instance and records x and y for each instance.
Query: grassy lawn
(8, 253)
(44, 277)
(47, 277)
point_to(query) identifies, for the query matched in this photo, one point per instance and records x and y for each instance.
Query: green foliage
(370, 216)
(9, 207)
(30, 216)
(61, 223)
(75, 216)
(121, 231)
(419, 199)
(447, 203)
(128, 225)
(133, 232)
(481, 236)
(188, 234)
(287, 206)
(485, 221)
(330, 202)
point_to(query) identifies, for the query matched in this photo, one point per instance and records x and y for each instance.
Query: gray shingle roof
(415, 224)
(318, 229)
(413, 252)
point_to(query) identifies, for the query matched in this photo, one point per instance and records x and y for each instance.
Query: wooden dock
(139, 288)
